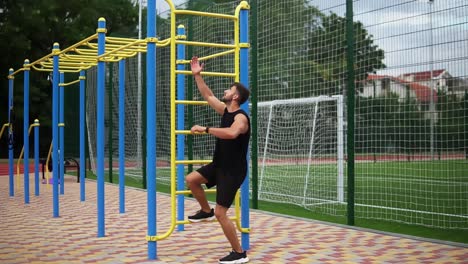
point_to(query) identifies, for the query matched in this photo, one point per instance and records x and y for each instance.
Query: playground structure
(97, 50)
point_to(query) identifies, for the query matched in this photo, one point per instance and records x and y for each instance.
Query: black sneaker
(235, 258)
(202, 216)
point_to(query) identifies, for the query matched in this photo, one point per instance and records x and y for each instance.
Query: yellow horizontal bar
(221, 74)
(208, 57)
(80, 57)
(80, 43)
(109, 47)
(86, 51)
(184, 222)
(205, 44)
(163, 43)
(62, 70)
(206, 14)
(187, 102)
(76, 63)
(17, 71)
(183, 132)
(216, 55)
(42, 70)
(188, 132)
(192, 162)
(48, 56)
(70, 83)
(135, 42)
(120, 40)
(118, 57)
(190, 192)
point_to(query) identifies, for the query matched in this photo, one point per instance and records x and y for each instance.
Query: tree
(28, 29)
(328, 49)
(302, 51)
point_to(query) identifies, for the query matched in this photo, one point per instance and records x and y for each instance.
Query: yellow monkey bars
(83, 54)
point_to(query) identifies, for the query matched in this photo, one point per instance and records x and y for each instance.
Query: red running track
(4, 168)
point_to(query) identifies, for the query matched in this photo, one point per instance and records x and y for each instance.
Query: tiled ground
(29, 234)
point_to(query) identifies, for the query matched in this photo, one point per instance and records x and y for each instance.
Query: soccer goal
(301, 151)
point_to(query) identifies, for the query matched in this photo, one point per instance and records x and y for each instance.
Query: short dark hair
(243, 92)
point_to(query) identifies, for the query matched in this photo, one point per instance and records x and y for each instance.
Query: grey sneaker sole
(237, 261)
(201, 220)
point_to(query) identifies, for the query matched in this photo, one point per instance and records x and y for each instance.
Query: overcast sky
(402, 28)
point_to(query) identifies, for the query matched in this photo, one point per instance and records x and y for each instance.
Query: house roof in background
(425, 75)
(422, 92)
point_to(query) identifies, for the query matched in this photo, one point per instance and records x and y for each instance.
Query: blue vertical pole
(61, 132)
(122, 135)
(36, 157)
(10, 131)
(82, 136)
(25, 131)
(180, 126)
(150, 127)
(55, 88)
(244, 79)
(100, 127)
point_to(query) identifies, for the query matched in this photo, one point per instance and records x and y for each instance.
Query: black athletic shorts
(227, 183)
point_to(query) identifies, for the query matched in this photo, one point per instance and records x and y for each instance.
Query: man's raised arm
(205, 91)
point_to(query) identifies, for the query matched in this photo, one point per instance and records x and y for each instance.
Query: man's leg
(228, 227)
(194, 182)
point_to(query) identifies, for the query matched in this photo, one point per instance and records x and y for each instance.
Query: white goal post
(301, 150)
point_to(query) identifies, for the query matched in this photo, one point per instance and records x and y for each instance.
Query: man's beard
(226, 100)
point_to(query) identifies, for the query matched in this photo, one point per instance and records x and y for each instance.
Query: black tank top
(230, 154)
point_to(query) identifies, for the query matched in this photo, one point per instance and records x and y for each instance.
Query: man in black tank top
(229, 166)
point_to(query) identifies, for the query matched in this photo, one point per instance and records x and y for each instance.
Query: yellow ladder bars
(173, 41)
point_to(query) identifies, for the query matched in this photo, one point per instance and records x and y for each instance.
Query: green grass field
(426, 199)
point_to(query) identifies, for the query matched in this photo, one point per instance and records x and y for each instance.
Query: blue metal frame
(150, 127)
(100, 128)
(244, 79)
(61, 132)
(180, 126)
(55, 88)
(122, 136)
(82, 136)
(10, 132)
(25, 131)
(36, 157)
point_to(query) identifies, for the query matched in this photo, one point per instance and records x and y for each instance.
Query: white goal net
(301, 151)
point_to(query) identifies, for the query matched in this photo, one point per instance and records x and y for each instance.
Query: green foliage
(311, 59)
(328, 46)
(388, 124)
(29, 28)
